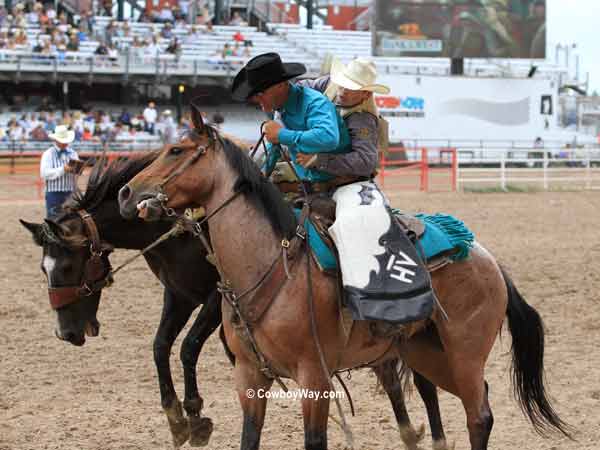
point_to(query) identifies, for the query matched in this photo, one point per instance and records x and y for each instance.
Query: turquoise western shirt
(312, 125)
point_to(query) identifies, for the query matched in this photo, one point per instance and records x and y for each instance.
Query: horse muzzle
(132, 202)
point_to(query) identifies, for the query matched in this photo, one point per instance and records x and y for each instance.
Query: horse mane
(106, 179)
(263, 194)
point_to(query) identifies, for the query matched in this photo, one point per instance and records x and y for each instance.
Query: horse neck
(125, 234)
(243, 240)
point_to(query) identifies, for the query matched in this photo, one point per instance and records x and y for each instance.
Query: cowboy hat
(262, 72)
(63, 135)
(358, 75)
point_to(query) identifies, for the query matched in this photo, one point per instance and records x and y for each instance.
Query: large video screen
(460, 28)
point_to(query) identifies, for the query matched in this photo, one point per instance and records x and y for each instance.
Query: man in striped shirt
(57, 171)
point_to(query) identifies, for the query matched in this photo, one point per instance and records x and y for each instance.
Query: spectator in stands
(238, 36)
(150, 116)
(20, 37)
(86, 22)
(152, 49)
(110, 31)
(33, 17)
(113, 53)
(227, 51)
(57, 171)
(209, 28)
(139, 47)
(167, 31)
(125, 117)
(193, 36)
(50, 12)
(73, 44)
(63, 22)
(168, 128)
(236, 19)
(174, 48)
(166, 14)
(126, 30)
(102, 49)
(38, 133)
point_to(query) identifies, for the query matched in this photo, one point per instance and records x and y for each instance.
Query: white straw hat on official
(358, 75)
(63, 135)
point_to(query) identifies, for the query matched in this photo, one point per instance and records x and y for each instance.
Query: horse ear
(35, 229)
(197, 115)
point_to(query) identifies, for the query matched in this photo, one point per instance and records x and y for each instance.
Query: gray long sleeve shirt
(362, 160)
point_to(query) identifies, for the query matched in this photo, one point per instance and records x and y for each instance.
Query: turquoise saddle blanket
(442, 234)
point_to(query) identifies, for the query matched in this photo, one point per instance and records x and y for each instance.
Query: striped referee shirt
(52, 169)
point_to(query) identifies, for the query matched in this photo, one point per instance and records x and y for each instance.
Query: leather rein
(96, 275)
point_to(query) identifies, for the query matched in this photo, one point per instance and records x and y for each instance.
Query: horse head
(75, 266)
(181, 174)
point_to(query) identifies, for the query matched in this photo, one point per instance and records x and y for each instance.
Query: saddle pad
(443, 233)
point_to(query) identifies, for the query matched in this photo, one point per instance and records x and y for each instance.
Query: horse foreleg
(251, 385)
(174, 317)
(387, 374)
(315, 407)
(206, 322)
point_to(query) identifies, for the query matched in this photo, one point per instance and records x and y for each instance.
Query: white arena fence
(508, 164)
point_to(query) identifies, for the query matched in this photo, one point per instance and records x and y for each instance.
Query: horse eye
(175, 150)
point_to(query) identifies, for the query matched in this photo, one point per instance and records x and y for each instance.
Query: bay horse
(181, 265)
(249, 223)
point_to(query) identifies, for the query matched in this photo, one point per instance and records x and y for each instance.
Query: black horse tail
(527, 329)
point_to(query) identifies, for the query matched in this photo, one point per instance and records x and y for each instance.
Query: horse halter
(96, 274)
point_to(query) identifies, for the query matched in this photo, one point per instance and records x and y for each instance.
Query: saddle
(322, 216)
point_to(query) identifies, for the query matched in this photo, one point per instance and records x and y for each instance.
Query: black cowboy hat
(262, 72)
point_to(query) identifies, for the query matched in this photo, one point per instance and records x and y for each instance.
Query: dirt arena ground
(104, 396)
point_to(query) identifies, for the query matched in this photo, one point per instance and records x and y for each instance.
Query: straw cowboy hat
(63, 135)
(358, 75)
(262, 72)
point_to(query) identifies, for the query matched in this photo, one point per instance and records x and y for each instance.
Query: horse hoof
(412, 437)
(201, 428)
(178, 424)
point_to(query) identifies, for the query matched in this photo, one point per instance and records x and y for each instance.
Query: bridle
(161, 197)
(96, 275)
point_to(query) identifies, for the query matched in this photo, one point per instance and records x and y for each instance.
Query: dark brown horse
(189, 281)
(246, 231)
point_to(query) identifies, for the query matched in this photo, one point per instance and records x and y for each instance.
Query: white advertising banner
(462, 108)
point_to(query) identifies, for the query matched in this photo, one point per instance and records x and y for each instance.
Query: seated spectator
(167, 31)
(20, 37)
(86, 22)
(173, 48)
(63, 22)
(33, 18)
(125, 117)
(113, 53)
(73, 44)
(102, 49)
(139, 47)
(209, 28)
(227, 51)
(153, 48)
(193, 36)
(126, 30)
(236, 19)
(166, 15)
(87, 135)
(110, 31)
(238, 37)
(50, 12)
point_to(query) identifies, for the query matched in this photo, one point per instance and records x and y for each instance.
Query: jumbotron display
(461, 28)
